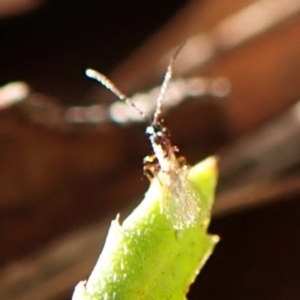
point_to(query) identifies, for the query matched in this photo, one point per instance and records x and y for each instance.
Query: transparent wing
(181, 203)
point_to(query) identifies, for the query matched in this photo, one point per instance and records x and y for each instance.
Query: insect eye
(149, 130)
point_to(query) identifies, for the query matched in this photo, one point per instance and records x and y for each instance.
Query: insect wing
(181, 203)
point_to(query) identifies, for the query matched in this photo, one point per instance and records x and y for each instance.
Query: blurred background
(71, 156)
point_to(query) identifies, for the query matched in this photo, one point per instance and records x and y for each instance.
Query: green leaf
(146, 258)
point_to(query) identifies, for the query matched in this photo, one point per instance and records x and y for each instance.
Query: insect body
(180, 201)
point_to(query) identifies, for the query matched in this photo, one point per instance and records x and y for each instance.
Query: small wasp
(181, 203)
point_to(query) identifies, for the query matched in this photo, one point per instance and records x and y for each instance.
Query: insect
(180, 201)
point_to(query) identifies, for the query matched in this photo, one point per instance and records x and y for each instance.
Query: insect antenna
(165, 84)
(102, 79)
